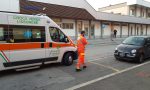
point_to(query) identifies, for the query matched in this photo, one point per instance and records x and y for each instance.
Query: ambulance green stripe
(3, 57)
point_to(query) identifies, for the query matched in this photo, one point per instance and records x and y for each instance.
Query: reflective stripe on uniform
(82, 54)
(79, 40)
(80, 37)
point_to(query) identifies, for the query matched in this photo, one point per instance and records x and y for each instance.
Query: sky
(102, 3)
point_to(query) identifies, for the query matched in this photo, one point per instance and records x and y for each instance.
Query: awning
(54, 11)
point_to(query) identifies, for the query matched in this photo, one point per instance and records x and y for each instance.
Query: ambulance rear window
(3, 34)
(28, 34)
(18, 34)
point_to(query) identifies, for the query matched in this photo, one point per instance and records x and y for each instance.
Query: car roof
(141, 36)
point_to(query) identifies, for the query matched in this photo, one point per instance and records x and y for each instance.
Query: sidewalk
(105, 41)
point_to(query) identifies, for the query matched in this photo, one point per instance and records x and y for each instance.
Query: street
(107, 73)
(74, 45)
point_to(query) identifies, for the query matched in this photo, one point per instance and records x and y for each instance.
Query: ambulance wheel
(67, 59)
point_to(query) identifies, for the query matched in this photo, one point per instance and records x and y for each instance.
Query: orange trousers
(80, 60)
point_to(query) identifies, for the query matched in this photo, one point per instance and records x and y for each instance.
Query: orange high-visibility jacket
(81, 42)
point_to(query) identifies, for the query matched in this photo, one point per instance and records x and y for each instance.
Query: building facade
(139, 8)
(73, 16)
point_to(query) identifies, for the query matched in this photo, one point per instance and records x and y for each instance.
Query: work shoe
(84, 67)
(77, 70)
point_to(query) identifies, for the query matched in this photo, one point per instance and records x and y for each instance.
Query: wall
(124, 31)
(84, 27)
(144, 29)
(107, 31)
(138, 12)
(123, 10)
(9, 5)
(133, 29)
(138, 29)
(69, 32)
(131, 8)
(148, 30)
(144, 10)
(97, 29)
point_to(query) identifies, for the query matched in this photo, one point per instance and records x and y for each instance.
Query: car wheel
(141, 59)
(67, 59)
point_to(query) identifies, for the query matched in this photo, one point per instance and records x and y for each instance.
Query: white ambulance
(28, 41)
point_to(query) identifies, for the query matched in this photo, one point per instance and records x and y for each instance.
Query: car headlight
(133, 51)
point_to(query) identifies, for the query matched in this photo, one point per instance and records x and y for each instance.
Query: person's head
(82, 33)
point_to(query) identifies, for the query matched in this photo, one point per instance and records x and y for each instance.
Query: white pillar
(120, 30)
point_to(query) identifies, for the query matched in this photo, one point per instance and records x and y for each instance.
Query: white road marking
(109, 67)
(98, 59)
(105, 77)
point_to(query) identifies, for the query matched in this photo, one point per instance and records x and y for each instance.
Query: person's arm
(84, 41)
(12, 40)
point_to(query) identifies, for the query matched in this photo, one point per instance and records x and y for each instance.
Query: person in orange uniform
(81, 43)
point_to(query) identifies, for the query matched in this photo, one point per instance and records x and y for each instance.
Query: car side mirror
(66, 40)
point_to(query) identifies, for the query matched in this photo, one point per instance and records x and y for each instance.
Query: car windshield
(138, 41)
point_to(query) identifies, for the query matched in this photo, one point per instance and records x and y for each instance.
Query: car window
(57, 35)
(54, 34)
(62, 36)
(134, 41)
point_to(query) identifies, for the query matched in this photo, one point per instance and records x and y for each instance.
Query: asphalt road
(100, 62)
(134, 79)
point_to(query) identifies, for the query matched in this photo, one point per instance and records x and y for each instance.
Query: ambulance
(29, 41)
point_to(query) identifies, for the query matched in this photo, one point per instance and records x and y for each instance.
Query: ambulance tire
(67, 59)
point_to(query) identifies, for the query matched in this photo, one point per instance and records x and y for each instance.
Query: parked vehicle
(135, 48)
(31, 40)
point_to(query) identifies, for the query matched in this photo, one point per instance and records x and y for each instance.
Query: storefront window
(132, 12)
(148, 15)
(67, 25)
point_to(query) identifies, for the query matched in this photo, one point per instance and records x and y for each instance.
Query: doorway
(92, 31)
